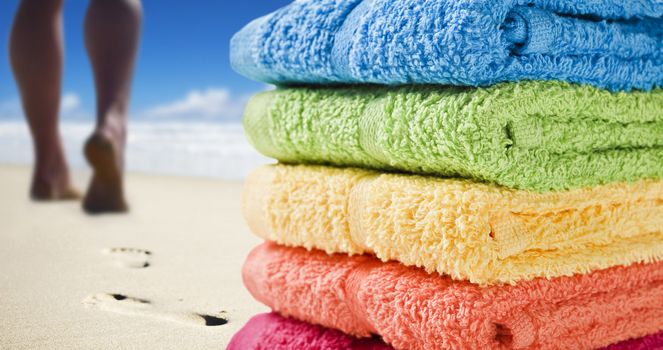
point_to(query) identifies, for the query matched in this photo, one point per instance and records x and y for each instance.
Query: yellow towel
(468, 230)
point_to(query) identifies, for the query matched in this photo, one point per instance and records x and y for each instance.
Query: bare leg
(36, 57)
(112, 31)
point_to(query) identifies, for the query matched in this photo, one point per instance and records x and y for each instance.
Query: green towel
(530, 135)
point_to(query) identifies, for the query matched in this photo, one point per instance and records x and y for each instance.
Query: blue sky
(183, 67)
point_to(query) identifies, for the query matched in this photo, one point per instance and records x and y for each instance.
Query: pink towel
(413, 310)
(272, 331)
(650, 342)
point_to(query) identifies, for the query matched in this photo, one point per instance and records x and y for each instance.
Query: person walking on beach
(112, 31)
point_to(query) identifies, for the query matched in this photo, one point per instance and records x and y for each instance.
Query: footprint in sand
(127, 305)
(130, 257)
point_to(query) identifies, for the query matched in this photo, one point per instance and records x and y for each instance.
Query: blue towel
(612, 44)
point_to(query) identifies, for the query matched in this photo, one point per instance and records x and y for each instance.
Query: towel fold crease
(537, 136)
(411, 309)
(468, 230)
(609, 44)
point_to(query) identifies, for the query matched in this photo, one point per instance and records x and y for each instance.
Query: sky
(183, 69)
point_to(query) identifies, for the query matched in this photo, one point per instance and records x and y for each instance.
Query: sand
(150, 279)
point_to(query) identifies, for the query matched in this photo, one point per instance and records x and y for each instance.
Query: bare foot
(41, 191)
(52, 184)
(103, 151)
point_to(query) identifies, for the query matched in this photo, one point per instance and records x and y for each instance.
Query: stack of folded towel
(492, 180)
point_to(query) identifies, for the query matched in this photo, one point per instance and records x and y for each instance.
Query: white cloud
(209, 104)
(71, 107)
(213, 103)
(70, 102)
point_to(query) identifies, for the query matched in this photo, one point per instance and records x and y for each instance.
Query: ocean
(198, 148)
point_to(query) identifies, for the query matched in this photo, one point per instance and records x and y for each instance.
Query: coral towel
(482, 233)
(413, 310)
(535, 135)
(616, 44)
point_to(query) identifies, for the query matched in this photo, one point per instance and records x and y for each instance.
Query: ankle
(113, 126)
(50, 156)
(51, 173)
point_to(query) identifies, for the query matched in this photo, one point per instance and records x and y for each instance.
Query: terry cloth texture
(613, 44)
(274, 332)
(530, 135)
(411, 309)
(468, 230)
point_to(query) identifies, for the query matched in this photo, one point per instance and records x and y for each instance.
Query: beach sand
(150, 279)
